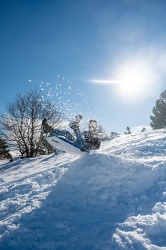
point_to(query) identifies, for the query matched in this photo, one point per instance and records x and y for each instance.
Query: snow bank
(114, 198)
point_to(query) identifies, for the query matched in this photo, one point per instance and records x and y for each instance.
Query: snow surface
(114, 198)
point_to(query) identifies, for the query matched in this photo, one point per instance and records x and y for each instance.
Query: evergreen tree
(4, 151)
(143, 129)
(128, 131)
(158, 119)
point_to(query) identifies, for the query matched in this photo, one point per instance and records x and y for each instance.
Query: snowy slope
(114, 198)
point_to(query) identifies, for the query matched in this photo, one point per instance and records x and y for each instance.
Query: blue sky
(106, 58)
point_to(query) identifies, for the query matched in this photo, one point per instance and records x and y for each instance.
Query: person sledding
(47, 129)
(88, 140)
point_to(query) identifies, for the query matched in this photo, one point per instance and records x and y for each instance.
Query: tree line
(20, 126)
(158, 117)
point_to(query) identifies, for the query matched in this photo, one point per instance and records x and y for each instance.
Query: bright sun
(134, 81)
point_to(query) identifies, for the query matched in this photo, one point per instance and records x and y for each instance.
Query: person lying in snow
(86, 140)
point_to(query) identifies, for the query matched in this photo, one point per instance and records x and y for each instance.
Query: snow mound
(114, 198)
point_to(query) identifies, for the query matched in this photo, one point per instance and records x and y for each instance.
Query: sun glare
(134, 81)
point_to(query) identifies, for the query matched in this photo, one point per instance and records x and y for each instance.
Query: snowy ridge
(114, 198)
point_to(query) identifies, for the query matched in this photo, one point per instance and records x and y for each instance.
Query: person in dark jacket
(47, 129)
(86, 140)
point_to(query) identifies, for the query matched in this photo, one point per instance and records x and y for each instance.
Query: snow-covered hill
(114, 198)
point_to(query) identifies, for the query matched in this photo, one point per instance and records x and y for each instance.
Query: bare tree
(21, 125)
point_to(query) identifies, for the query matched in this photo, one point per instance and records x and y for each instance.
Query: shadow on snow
(82, 210)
